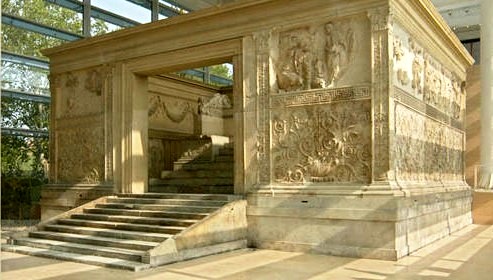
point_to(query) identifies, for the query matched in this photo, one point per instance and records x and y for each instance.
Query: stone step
(102, 251)
(87, 259)
(159, 207)
(112, 233)
(203, 165)
(122, 226)
(136, 220)
(202, 174)
(212, 181)
(224, 158)
(95, 240)
(171, 201)
(182, 196)
(145, 213)
(226, 151)
(226, 189)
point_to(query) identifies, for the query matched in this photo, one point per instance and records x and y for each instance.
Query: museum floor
(466, 254)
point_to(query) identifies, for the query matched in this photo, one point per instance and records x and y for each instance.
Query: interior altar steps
(137, 232)
(199, 174)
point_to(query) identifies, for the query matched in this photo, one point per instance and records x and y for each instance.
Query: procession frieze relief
(329, 143)
(81, 155)
(425, 149)
(320, 55)
(420, 75)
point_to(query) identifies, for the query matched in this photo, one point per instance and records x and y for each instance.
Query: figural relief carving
(429, 81)
(80, 99)
(314, 57)
(417, 66)
(329, 143)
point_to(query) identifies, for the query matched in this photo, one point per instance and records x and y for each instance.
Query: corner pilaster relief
(381, 28)
(262, 47)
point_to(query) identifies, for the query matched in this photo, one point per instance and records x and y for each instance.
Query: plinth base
(381, 226)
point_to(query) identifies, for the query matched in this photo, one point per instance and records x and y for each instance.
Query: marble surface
(465, 254)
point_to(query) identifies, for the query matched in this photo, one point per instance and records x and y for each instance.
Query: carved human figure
(339, 48)
(295, 60)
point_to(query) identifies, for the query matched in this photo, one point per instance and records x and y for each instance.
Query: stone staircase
(136, 232)
(201, 171)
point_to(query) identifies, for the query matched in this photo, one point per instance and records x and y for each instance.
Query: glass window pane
(125, 9)
(45, 13)
(25, 42)
(24, 78)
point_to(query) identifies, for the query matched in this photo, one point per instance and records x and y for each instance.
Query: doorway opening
(191, 131)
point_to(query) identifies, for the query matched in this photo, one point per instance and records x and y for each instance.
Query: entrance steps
(139, 231)
(198, 173)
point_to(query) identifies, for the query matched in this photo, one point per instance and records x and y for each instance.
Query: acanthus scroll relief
(426, 150)
(81, 155)
(329, 143)
(314, 57)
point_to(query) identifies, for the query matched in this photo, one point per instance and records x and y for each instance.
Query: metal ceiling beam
(212, 78)
(39, 28)
(163, 9)
(15, 94)
(96, 12)
(25, 60)
(24, 132)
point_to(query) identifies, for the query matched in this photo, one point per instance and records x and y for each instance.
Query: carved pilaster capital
(380, 19)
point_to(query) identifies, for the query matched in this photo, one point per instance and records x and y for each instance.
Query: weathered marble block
(348, 117)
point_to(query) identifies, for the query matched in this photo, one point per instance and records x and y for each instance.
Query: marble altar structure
(347, 118)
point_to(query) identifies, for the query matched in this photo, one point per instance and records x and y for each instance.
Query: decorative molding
(320, 96)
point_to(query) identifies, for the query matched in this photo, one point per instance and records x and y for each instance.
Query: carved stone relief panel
(217, 106)
(264, 70)
(81, 154)
(81, 93)
(408, 63)
(171, 114)
(325, 55)
(426, 150)
(416, 72)
(322, 143)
